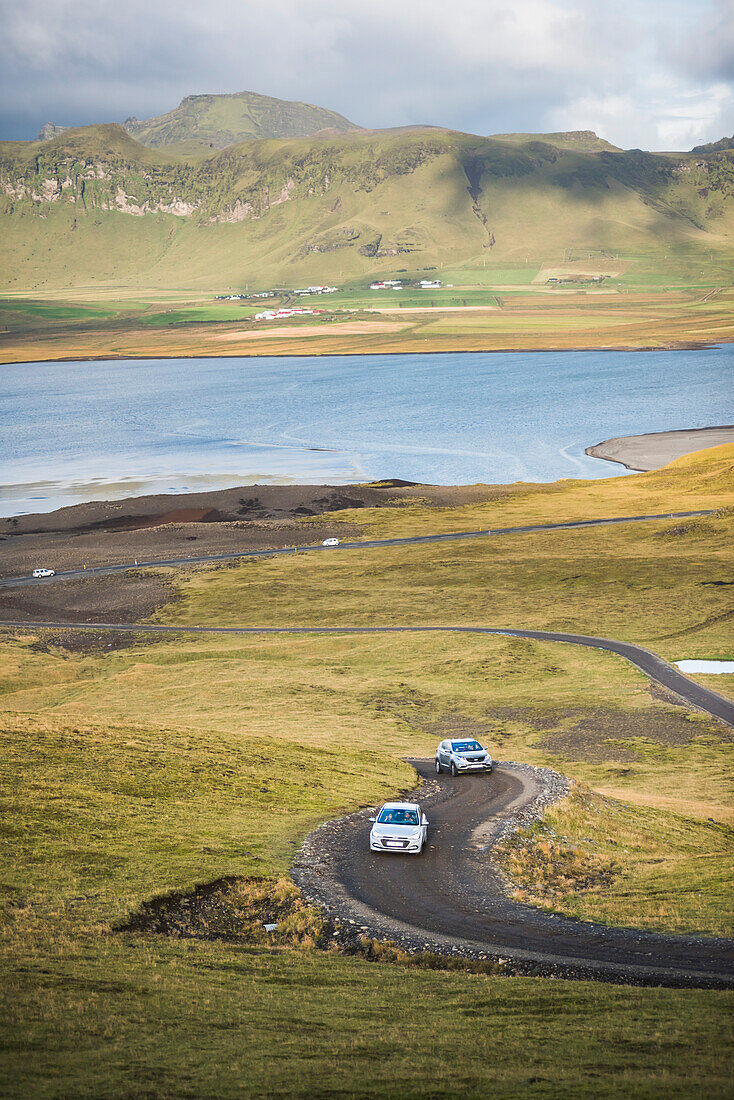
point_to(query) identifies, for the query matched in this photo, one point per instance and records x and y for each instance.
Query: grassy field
(131, 772)
(191, 1019)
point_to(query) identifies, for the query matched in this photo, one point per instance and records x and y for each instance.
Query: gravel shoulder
(453, 900)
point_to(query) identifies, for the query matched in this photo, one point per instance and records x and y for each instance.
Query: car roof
(400, 806)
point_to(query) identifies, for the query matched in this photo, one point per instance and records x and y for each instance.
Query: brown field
(584, 268)
(346, 328)
(435, 309)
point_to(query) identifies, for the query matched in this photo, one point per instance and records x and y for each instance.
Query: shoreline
(258, 353)
(277, 500)
(653, 450)
(286, 501)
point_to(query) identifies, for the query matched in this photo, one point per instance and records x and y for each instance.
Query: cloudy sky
(658, 74)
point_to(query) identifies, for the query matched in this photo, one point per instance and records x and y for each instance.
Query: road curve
(688, 691)
(452, 899)
(368, 544)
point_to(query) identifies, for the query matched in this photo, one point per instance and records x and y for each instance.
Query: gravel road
(453, 899)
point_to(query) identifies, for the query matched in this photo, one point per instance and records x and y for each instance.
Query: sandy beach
(656, 449)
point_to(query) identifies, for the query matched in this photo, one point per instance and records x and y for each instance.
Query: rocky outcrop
(128, 205)
(50, 130)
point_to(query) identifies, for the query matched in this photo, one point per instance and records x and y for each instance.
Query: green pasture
(218, 311)
(12, 310)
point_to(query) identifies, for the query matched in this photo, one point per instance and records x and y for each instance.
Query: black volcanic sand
(153, 528)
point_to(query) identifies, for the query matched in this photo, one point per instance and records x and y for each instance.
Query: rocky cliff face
(241, 183)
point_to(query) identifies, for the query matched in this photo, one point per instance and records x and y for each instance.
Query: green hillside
(94, 206)
(215, 121)
(581, 140)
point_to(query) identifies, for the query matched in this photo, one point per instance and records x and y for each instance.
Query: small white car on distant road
(44, 573)
(460, 755)
(399, 827)
(330, 542)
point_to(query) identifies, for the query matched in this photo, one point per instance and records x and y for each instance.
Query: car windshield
(466, 746)
(397, 817)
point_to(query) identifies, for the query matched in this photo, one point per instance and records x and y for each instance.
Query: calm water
(82, 431)
(713, 668)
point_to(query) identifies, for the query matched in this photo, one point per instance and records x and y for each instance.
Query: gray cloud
(707, 52)
(477, 65)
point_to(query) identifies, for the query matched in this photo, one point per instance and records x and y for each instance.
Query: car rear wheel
(454, 771)
(438, 766)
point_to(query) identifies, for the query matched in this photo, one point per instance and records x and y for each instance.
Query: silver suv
(462, 755)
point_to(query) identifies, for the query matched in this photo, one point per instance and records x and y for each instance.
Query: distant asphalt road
(368, 544)
(688, 691)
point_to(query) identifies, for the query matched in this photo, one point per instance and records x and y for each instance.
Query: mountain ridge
(93, 203)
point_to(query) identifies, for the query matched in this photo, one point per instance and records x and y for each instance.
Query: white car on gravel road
(461, 755)
(44, 573)
(399, 827)
(330, 542)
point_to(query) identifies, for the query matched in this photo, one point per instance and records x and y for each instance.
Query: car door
(444, 753)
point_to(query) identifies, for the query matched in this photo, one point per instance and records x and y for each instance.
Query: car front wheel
(454, 770)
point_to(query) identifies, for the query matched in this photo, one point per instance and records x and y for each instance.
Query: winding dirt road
(452, 899)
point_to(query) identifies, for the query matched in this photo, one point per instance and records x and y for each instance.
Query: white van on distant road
(44, 573)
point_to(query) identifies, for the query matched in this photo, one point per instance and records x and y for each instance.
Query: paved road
(122, 567)
(689, 692)
(452, 899)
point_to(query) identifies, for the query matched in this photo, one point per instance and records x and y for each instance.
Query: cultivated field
(479, 313)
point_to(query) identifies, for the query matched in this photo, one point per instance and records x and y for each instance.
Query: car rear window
(398, 817)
